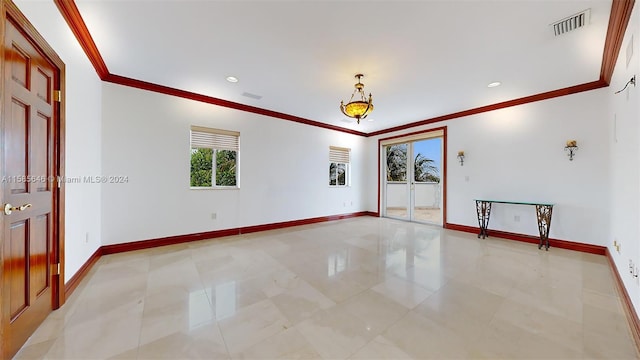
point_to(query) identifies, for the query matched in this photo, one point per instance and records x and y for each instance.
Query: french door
(413, 178)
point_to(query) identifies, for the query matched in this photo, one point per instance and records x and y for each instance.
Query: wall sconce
(461, 157)
(571, 148)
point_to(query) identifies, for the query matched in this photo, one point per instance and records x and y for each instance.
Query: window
(214, 158)
(339, 166)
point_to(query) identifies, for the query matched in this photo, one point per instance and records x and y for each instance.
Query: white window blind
(414, 137)
(339, 155)
(202, 137)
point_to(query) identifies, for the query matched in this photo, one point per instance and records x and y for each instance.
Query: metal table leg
(544, 224)
(483, 209)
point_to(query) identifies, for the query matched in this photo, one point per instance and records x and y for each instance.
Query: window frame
(340, 156)
(216, 140)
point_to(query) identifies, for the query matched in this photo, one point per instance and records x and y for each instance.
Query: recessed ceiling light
(370, 119)
(232, 79)
(494, 84)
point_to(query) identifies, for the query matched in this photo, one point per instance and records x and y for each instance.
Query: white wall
(624, 161)
(517, 154)
(284, 169)
(83, 122)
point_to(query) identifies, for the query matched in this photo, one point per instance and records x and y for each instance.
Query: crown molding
(618, 22)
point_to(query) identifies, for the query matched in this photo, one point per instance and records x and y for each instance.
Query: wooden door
(29, 245)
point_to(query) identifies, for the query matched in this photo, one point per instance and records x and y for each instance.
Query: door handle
(8, 208)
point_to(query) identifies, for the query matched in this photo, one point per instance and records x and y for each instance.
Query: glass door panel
(396, 181)
(426, 189)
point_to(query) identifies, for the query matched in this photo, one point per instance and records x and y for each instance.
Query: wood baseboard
(632, 315)
(164, 241)
(75, 280)
(561, 244)
(71, 285)
(286, 224)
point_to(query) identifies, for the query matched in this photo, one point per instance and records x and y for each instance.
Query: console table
(543, 212)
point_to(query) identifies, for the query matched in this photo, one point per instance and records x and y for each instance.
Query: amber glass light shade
(358, 109)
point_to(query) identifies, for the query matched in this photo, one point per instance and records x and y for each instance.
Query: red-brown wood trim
(617, 25)
(23, 23)
(632, 315)
(77, 278)
(139, 84)
(379, 151)
(505, 104)
(72, 16)
(3, 23)
(445, 178)
(561, 244)
(286, 224)
(178, 239)
(169, 240)
(444, 166)
(60, 156)
(618, 21)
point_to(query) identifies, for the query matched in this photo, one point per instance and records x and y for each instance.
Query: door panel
(38, 265)
(426, 159)
(396, 181)
(16, 166)
(17, 259)
(40, 134)
(28, 134)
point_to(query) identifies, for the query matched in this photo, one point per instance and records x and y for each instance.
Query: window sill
(216, 188)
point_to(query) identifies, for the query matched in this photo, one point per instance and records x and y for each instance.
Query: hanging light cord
(631, 81)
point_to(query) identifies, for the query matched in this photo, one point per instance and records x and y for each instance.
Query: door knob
(8, 208)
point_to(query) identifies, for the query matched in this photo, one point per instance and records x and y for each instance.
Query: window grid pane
(214, 157)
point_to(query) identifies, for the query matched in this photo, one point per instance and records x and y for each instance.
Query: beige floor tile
(204, 342)
(380, 348)
(602, 301)
(335, 333)
(605, 322)
(403, 292)
(100, 336)
(35, 350)
(534, 321)
(362, 288)
(301, 302)
(375, 310)
(163, 317)
(423, 338)
(599, 346)
(288, 344)
(252, 325)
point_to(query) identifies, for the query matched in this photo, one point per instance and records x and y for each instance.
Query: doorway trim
(416, 135)
(9, 10)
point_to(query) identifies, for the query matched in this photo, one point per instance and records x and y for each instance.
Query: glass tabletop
(515, 202)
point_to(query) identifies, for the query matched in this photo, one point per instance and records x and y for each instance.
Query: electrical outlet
(214, 216)
(516, 218)
(86, 238)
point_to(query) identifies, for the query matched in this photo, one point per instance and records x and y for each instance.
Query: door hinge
(56, 268)
(57, 95)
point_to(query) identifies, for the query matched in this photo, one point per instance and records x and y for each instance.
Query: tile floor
(362, 288)
(428, 215)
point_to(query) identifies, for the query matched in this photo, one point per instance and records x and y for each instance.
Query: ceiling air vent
(252, 96)
(572, 23)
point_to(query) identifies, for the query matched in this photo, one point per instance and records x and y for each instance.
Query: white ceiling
(421, 59)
